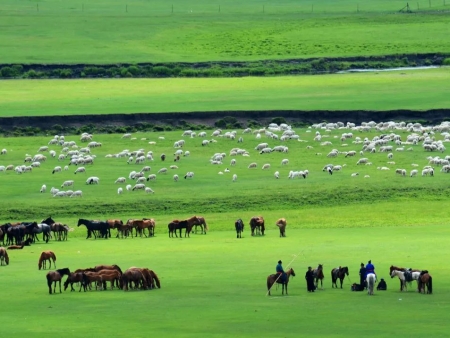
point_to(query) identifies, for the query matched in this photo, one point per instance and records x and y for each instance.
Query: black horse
(338, 273)
(93, 226)
(56, 276)
(183, 225)
(239, 225)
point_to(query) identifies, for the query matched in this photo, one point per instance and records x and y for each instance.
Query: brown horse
(56, 276)
(76, 277)
(112, 276)
(275, 278)
(114, 224)
(47, 256)
(132, 275)
(199, 221)
(338, 273)
(257, 223)
(172, 228)
(141, 225)
(281, 224)
(60, 230)
(318, 275)
(393, 267)
(425, 280)
(15, 247)
(150, 276)
(4, 258)
(94, 277)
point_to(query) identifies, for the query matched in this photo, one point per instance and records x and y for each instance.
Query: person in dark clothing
(310, 280)
(382, 285)
(280, 271)
(362, 277)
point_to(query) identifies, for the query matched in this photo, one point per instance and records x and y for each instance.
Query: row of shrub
(224, 123)
(258, 68)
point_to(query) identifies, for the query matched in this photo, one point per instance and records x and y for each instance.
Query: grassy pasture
(424, 89)
(215, 285)
(112, 31)
(387, 199)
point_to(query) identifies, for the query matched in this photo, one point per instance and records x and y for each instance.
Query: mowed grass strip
(215, 285)
(105, 31)
(418, 89)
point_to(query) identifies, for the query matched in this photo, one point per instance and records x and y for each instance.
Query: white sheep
(119, 190)
(233, 162)
(277, 174)
(162, 171)
(284, 161)
(173, 167)
(120, 180)
(66, 168)
(149, 190)
(139, 186)
(205, 142)
(413, 173)
(141, 179)
(128, 187)
(78, 193)
(234, 177)
(189, 174)
(366, 176)
(186, 153)
(175, 178)
(252, 165)
(401, 172)
(4, 151)
(56, 170)
(227, 170)
(354, 174)
(93, 180)
(43, 188)
(67, 183)
(80, 170)
(60, 194)
(151, 177)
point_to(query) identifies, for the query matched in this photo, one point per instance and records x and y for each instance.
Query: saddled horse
(93, 226)
(239, 225)
(199, 221)
(318, 275)
(338, 273)
(276, 278)
(425, 280)
(4, 258)
(370, 283)
(281, 224)
(257, 225)
(402, 275)
(393, 267)
(47, 256)
(56, 276)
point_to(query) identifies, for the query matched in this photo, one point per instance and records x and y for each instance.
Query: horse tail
(206, 226)
(40, 261)
(430, 285)
(118, 268)
(49, 282)
(156, 278)
(52, 254)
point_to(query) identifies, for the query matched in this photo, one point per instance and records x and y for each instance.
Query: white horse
(401, 275)
(370, 283)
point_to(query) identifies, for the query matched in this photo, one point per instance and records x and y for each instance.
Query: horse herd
(423, 278)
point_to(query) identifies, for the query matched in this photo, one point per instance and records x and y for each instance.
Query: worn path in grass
(215, 285)
(110, 31)
(423, 89)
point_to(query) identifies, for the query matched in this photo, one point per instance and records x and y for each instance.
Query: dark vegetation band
(220, 69)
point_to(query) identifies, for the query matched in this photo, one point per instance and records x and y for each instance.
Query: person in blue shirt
(280, 271)
(370, 268)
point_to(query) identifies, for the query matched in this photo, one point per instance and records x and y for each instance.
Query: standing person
(280, 271)
(362, 277)
(310, 280)
(370, 268)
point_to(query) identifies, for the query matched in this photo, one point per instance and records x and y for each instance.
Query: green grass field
(101, 31)
(214, 285)
(425, 89)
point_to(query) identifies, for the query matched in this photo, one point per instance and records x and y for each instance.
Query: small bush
(446, 62)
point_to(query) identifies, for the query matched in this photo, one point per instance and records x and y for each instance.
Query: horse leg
(342, 280)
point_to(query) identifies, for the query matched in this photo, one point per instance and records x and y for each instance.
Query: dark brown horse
(338, 273)
(76, 277)
(239, 225)
(112, 276)
(47, 256)
(60, 231)
(132, 276)
(141, 225)
(179, 225)
(199, 221)
(56, 276)
(114, 224)
(257, 225)
(172, 227)
(318, 275)
(4, 258)
(276, 278)
(151, 277)
(425, 280)
(281, 224)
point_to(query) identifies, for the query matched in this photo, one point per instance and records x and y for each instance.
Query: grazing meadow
(413, 89)
(114, 31)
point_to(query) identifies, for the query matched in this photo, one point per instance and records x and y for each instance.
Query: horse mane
(118, 268)
(63, 271)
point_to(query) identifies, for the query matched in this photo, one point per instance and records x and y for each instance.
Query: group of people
(309, 276)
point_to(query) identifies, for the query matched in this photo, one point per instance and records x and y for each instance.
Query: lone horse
(276, 278)
(47, 256)
(318, 275)
(425, 280)
(338, 273)
(281, 224)
(56, 276)
(4, 258)
(370, 283)
(239, 225)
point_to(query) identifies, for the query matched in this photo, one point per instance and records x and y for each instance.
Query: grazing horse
(370, 283)
(47, 256)
(271, 279)
(239, 225)
(425, 280)
(76, 277)
(392, 268)
(257, 223)
(132, 275)
(114, 267)
(56, 276)
(93, 226)
(199, 221)
(151, 277)
(338, 273)
(281, 224)
(4, 258)
(318, 275)
(112, 276)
